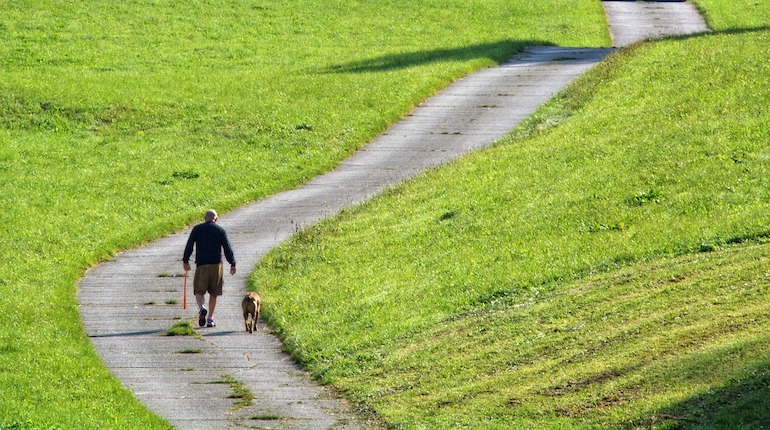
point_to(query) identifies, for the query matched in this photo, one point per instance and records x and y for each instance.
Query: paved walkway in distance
(633, 21)
(123, 301)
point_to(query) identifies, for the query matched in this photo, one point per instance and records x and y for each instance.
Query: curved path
(185, 379)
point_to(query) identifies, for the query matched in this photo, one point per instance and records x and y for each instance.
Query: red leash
(184, 297)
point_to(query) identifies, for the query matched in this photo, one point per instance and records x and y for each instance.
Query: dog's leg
(256, 315)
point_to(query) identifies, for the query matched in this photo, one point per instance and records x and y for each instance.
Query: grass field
(627, 293)
(121, 121)
(609, 271)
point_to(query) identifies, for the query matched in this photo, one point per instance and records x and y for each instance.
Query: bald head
(211, 215)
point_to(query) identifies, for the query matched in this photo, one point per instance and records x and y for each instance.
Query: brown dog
(250, 305)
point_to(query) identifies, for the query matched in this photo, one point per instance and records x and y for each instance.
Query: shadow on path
(130, 333)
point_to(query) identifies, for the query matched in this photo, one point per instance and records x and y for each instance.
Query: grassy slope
(120, 121)
(493, 291)
(675, 341)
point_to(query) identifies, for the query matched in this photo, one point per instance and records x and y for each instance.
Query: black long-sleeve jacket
(209, 240)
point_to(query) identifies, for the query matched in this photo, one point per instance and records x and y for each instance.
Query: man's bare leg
(212, 305)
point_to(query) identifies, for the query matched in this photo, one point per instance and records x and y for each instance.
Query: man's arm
(188, 249)
(229, 255)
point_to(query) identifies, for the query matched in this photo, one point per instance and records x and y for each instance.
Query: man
(209, 240)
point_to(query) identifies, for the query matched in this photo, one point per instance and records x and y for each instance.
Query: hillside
(440, 303)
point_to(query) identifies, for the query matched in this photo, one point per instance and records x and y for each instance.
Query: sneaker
(202, 316)
(210, 323)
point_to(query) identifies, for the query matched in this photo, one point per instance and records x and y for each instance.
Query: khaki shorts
(208, 279)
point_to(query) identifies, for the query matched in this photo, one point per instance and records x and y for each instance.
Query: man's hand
(186, 267)
(232, 269)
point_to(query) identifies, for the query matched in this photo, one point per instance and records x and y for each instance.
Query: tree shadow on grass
(741, 402)
(744, 30)
(730, 31)
(498, 52)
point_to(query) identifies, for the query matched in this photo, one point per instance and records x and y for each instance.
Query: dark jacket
(209, 240)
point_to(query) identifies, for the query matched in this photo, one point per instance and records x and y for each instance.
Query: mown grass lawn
(121, 121)
(610, 271)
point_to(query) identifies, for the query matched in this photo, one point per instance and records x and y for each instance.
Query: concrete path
(634, 21)
(127, 303)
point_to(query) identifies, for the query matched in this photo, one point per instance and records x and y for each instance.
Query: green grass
(181, 328)
(735, 16)
(674, 341)
(604, 267)
(122, 121)
(240, 392)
